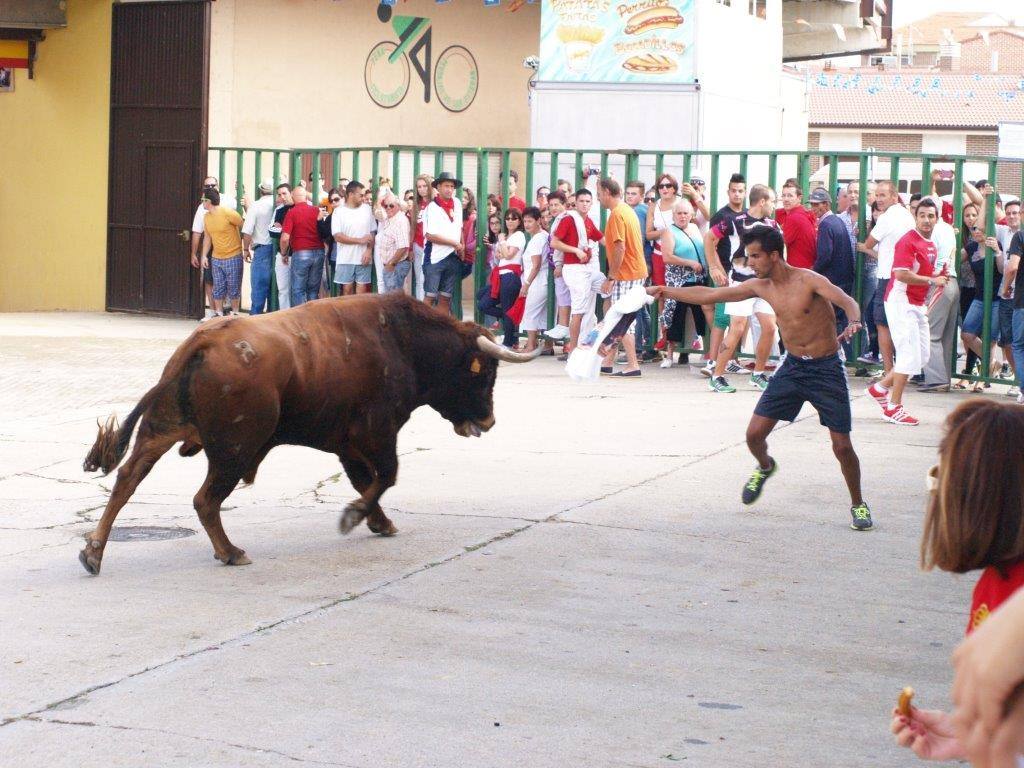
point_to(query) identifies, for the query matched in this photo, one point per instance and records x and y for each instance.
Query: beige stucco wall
(292, 75)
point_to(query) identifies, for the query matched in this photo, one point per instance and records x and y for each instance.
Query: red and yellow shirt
(993, 589)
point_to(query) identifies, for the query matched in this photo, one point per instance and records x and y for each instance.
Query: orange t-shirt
(623, 225)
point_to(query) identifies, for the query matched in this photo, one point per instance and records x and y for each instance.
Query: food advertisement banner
(600, 41)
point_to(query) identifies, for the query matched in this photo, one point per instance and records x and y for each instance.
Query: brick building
(912, 111)
(945, 87)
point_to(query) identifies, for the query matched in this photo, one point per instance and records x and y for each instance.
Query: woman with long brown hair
(974, 521)
(422, 195)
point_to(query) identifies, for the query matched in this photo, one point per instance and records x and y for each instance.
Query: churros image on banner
(578, 43)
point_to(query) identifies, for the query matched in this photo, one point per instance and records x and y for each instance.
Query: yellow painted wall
(53, 169)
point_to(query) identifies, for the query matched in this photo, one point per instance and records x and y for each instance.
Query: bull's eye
(474, 367)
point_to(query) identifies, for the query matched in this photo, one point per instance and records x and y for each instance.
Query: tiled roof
(928, 31)
(915, 99)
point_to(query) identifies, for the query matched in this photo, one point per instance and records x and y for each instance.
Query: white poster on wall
(1011, 141)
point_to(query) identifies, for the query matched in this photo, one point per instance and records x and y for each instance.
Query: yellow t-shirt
(623, 225)
(224, 227)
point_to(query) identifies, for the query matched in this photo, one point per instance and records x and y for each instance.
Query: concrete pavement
(579, 587)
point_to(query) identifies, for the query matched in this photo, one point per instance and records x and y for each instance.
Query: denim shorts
(345, 274)
(976, 317)
(879, 307)
(440, 278)
(1005, 323)
(394, 281)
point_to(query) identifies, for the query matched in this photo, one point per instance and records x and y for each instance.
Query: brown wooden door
(159, 77)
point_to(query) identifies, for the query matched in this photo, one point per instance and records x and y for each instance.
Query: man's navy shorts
(820, 382)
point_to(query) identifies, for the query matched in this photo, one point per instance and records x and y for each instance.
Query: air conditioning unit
(890, 62)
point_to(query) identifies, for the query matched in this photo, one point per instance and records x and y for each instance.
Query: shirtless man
(812, 371)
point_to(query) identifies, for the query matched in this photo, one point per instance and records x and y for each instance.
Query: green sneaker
(759, 381)
(752, 490)
(719, 384)
(861, 518)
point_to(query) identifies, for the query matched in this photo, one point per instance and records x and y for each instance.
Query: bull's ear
(475, 366)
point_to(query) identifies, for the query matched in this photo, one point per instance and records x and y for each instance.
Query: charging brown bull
(340, 375)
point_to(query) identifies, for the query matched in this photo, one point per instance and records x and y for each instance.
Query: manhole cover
(148, 533)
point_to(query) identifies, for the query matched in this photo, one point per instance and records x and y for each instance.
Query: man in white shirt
(198, 230)
(258, 248)
(893, 224)
(443, 246)
(943, 307)
(353, 228)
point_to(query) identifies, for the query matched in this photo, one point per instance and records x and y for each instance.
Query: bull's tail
(113, 438)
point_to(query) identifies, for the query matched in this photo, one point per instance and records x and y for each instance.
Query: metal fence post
(483, 230)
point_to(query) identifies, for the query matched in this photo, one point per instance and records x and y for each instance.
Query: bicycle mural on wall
(388, 71)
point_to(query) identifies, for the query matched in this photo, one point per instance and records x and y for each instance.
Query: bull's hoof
(91, 557)
(352, 515)
(385, 529)
(235, 557)
(89, 562)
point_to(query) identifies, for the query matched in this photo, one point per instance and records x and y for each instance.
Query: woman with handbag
(685, 264)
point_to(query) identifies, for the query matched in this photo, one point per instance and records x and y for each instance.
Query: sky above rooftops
(909, 11)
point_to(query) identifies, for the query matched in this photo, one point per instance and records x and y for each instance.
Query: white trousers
(283, 274)
(911, 338)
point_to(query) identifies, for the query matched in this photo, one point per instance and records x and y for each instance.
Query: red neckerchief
(448, 206)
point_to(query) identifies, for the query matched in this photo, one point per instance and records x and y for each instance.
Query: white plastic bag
(584, 362)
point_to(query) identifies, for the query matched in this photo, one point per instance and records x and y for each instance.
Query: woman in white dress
(535, 279)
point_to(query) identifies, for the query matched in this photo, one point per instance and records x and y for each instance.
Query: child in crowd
(975, 520)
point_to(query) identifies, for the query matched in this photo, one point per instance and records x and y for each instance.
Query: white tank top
(661, 219)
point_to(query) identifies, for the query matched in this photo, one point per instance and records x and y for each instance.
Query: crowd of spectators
(425, 242)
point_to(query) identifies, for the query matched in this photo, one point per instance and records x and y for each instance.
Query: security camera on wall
(531, 62)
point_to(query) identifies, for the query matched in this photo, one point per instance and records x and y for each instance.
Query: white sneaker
(558, 333)
(708, 369)
(666, 363)
(735, 368)
(698, 344)
(1020, 399)
(1013, 392)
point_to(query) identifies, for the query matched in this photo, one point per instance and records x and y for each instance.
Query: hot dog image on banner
(598, 41)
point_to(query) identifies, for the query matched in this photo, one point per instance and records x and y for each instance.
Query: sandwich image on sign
(650, 64)
(660, 17)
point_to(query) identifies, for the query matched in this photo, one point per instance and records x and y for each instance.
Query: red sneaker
(661, 343)
(896, 415)
(879, 396)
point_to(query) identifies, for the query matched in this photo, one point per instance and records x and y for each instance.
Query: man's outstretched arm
(702, 295)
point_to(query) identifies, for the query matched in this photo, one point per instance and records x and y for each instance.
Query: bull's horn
(498, 352)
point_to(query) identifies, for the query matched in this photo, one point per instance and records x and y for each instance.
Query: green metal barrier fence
(487, 170)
